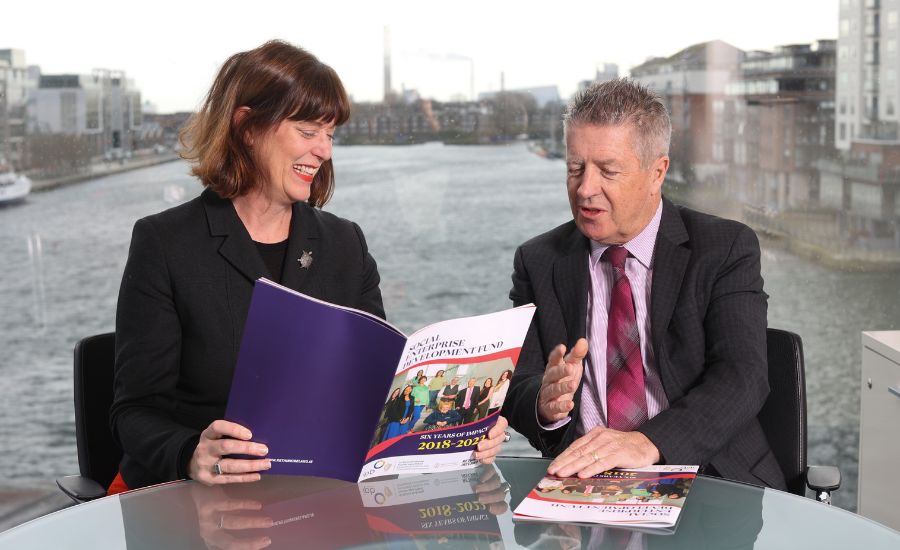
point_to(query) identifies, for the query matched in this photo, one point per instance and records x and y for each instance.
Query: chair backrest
(783, 417)
(98, 454)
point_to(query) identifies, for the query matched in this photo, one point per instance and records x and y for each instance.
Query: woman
(500, 390)
(434, 387)
(382, 424)
(484, 397)
(399, 413)
(261, 146)
(420, 396)
(445, 415)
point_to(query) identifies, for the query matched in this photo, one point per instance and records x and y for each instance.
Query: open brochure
(650, 497)
(337, 392)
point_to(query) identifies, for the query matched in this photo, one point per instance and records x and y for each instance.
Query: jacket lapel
(237, 248)
(570, 283)
(670, 261)
(304, 254)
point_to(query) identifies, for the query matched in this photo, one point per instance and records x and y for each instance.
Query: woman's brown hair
(277, 81)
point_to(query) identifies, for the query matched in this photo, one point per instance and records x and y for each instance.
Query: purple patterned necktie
(626, 399)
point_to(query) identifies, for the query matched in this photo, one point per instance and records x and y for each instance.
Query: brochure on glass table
(337, 392)
(650, 497)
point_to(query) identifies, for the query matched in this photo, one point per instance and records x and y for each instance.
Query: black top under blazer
(182, 305)
(708, 331)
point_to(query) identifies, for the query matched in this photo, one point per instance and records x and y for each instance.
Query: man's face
(471, 382)
(612, 197)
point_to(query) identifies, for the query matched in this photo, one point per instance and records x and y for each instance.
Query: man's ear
(236, 119)
(658, 172)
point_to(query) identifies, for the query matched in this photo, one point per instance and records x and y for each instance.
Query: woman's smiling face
(290, 156)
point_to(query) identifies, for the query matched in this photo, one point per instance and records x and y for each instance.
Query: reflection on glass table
(465, 509)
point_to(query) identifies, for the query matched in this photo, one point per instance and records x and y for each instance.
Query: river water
(442, 222)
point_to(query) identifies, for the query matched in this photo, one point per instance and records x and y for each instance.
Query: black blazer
(708, 330)
(182, 305)
(395, 409)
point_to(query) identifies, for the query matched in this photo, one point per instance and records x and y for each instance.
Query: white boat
(13, 187)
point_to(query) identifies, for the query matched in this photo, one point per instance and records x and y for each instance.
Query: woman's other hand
(227, 438)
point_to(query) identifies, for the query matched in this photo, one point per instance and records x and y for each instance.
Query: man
(467, 401)
(662, 310)
(451, 390)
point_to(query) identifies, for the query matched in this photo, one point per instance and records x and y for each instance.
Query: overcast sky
(173, 49)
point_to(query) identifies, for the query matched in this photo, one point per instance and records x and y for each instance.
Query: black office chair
(98, 454)
(783, 418)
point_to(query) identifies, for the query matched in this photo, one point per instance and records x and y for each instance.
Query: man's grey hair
(625, 102)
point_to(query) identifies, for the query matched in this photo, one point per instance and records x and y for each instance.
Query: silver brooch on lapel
(305, 259)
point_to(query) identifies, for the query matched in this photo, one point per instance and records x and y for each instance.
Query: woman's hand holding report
(223, 438)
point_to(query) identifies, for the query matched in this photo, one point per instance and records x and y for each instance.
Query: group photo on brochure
(433, 397)
(651, 497)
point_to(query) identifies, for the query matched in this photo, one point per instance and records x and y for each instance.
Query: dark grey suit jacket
(708, 330)
(182, 305)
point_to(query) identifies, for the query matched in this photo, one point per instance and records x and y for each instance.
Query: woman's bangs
(320, 96)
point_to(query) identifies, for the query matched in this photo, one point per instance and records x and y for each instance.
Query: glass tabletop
(464, 509)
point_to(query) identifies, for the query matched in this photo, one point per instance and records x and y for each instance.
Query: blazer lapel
(670, 261)
(304, 254)
(237, 248)
(570, 283)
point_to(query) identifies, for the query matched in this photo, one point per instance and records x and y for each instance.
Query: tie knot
(616, 256)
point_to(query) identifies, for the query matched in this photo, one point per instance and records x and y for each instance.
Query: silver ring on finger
(506, 436)
(217, 469)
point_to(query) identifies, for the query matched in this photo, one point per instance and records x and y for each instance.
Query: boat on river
(13, 187)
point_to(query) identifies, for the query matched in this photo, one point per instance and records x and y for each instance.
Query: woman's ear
(237, 117)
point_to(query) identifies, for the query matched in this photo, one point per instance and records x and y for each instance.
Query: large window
(92, 109)
(452, 159)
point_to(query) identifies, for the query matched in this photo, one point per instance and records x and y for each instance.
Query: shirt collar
(641, 246)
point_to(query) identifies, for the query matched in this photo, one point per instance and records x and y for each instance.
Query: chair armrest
(81, 489)
(822, 480)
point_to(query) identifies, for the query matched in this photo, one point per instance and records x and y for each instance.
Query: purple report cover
(311, 380)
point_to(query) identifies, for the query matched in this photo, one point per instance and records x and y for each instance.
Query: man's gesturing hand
(561, 379)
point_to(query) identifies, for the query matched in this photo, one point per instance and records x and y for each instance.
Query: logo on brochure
(377, 468)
